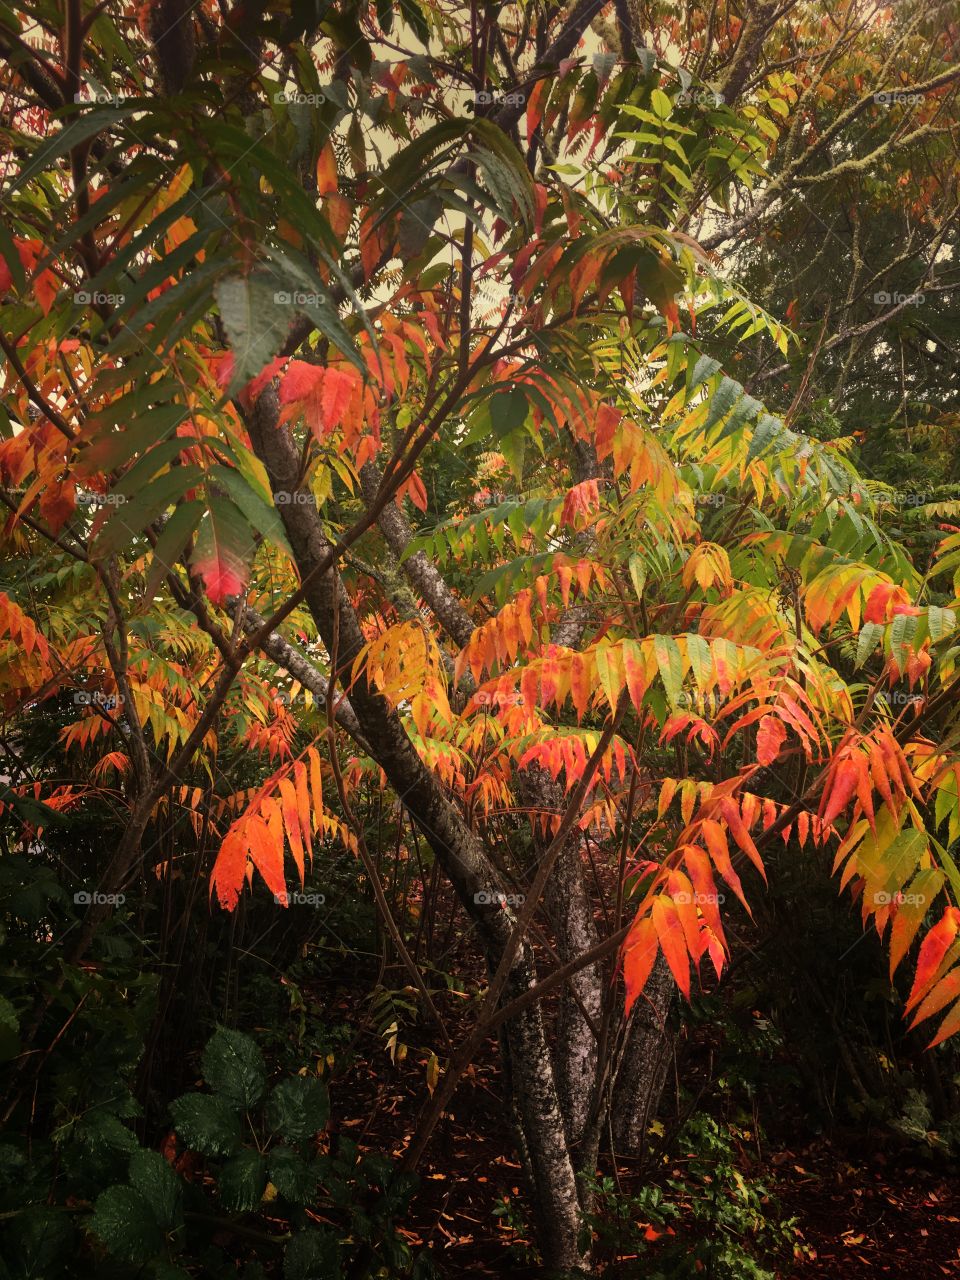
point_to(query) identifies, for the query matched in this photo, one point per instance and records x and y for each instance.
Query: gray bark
(644, 1062)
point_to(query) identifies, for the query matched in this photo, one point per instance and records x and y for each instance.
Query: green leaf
(312, 1255)
(242, 1181)
(661, 104)
(233, 1067)
(259, 514)
(508, 412)
(35, 1242)
(638, 573)
(298, 1108)
(670, 663)
(257, 323)
(83, 126)
(133, 516)
(764, 434)
(176, 533)
(207, 1125)
(9, 1031)
(152, 1176)
(870, 637)
(293, 1176)
(123, 1221)
(722, 401)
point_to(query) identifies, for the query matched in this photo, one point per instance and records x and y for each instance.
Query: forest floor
(861, 1211)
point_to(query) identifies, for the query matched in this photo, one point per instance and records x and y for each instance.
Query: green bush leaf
(35, 1241)
(298, 1108)
(206, 1124)
(293, 1176)
(312, 1255)
(123, 1220)
(242, 1181)
(152, 1176)
(233, 1067)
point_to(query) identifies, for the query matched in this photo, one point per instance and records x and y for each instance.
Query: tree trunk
(644, 1062)
(457, 848)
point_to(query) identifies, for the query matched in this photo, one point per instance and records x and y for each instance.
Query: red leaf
(224, 544)
(843, 785)
(771, 735)
(932, 950)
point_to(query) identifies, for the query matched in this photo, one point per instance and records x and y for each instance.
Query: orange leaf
(715, 839)
(669, 929)
(731, 816)
(640, 952)
(326, 171)
(535, 104)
